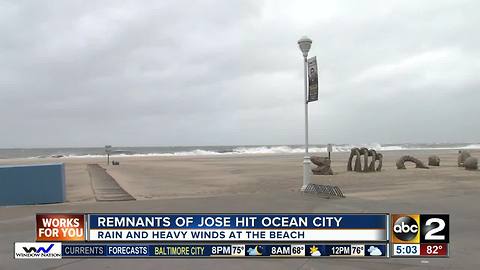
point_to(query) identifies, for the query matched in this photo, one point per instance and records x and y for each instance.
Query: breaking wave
(239, 150)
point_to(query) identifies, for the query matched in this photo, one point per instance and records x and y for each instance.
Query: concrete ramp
(105, 186)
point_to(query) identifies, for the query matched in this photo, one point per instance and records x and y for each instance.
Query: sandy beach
(261, 183)
(208, 107)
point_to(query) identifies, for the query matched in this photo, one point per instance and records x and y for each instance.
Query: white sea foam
(255, 150)
(471, 146)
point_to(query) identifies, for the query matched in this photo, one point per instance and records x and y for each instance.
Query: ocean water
(214, 150)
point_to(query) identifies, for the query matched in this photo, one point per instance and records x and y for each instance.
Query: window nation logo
(25, 250)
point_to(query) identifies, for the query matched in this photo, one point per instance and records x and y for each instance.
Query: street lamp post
(305, 43)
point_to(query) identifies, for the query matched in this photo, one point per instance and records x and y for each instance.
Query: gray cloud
(78, 73)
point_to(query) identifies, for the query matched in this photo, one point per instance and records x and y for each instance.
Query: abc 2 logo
(416, 228)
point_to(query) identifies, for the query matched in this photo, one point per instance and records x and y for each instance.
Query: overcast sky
(138, 73)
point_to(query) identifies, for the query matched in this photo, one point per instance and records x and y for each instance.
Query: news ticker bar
(408, 234)
(321, 250)
(213, 227)
(230, 235)
(58, 250)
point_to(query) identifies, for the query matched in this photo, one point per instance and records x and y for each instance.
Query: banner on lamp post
(312, 79)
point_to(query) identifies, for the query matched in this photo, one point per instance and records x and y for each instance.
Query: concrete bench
(32, 184)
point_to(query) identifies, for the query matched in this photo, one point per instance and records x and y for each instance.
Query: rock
(354, 152)
(323, 164)
(401, 162)
(358, 153)
(380, 162)
(471, 163)
(462, 156)
(372, 153)
(364, 153)
(433, 161)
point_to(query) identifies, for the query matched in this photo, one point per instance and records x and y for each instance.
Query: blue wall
(32, 184)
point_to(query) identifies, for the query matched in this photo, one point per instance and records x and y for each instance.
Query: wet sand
(262, 183)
